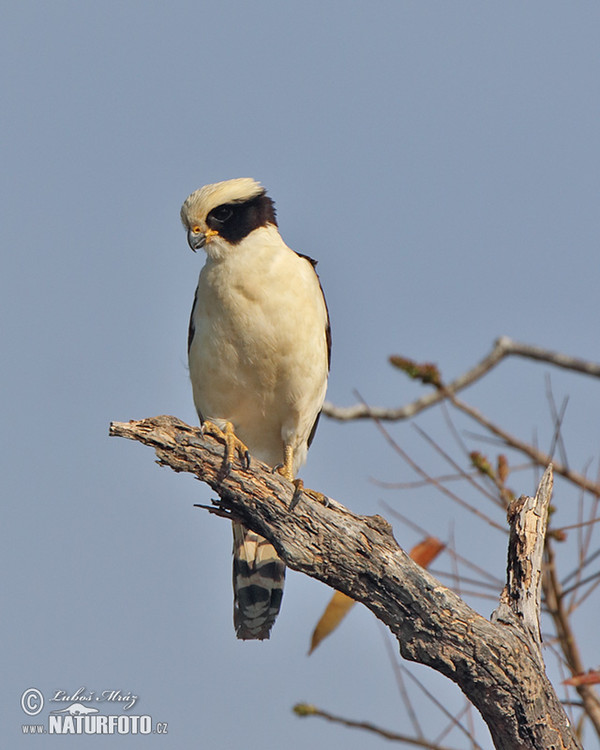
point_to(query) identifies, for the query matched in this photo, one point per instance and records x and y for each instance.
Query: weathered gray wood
(528, 518)
(495, 664)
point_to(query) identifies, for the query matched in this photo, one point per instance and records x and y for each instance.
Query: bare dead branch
(494, 664)
(503, 347)
(528, 518)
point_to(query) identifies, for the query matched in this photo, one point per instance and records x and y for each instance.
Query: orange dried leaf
(340, 604)
(426, 551)
(589, 678)
(334, 613)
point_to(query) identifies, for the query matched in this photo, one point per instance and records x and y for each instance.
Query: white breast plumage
(258, 357)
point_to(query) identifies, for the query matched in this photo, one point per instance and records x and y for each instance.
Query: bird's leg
(286, 469)
(232, 445)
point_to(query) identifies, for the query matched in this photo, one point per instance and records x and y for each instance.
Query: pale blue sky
(440, 160)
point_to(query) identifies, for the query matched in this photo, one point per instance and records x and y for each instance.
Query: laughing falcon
(259, 346)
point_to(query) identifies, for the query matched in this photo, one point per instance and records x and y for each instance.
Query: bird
(259, 350)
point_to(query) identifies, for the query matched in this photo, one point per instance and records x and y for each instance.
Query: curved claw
(298, 490)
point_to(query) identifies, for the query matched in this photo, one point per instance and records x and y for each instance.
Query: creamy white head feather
(200, 203)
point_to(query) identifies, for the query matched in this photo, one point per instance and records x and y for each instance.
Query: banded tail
(258, 578)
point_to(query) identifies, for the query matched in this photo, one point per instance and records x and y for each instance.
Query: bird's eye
(221, 214)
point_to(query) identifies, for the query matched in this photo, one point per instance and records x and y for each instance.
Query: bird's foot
(286, 470)
(300, 490)
(232, 443)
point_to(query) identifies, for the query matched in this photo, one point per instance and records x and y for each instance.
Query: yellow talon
(232, 445)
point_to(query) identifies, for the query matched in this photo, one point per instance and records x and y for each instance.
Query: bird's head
(221, 215)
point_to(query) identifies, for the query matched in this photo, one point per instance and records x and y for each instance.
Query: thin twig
(405, 520)
(472, 581)
(561, 664)
(444, 490)
(304, 709)
(455, 575)
(540, 458)
(557, 418)
(576, 526)
(412, 714)
(449, 727)
(590, 530)
(584, 540)
(418, 483)
(586, 562)
(498, 584)
(555, 602)
(456, 466)
(580, 601)
(440, 706)
(580, 582)
(479, 595)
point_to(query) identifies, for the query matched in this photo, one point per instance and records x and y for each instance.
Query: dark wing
(191, 329)
(313, 263)
(191, 333)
